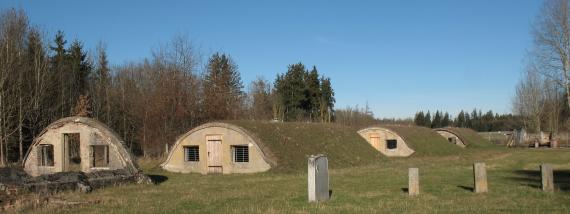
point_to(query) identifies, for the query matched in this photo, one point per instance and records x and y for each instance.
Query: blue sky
(399, 56)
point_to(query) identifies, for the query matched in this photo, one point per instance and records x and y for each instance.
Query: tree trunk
(20, 132)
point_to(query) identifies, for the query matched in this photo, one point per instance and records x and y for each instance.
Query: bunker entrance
(72, 145)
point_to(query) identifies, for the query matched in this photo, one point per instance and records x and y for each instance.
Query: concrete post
(318, 178)
(547, 177)
(480, 178)
(413, 181)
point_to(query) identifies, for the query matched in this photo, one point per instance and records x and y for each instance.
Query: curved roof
(422, 140)
(266, 152)
(287, 145)
(468, 136)
(111, 136)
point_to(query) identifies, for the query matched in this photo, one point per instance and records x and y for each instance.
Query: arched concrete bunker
(217, 148)
(78, 144)
(386, 141)
(451, 137)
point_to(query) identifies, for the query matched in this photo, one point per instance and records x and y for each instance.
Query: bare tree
(529, 100)
(551, 53)
(261, 102)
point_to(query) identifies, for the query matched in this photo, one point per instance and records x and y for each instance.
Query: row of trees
(541, 96)
(475, 120)
(303, 95)
(148, 102)
(38, 83)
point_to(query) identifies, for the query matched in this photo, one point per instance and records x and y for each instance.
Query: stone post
(413, 181)
(547, 177)
(480, 178)
(318, 178)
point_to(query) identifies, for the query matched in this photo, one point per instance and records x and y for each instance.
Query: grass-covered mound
(291, 143)
(470, 137)
(424, 141)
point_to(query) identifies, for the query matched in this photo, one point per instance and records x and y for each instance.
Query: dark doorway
(73, 146)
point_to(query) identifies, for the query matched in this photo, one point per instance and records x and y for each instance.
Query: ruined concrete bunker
(78, 144)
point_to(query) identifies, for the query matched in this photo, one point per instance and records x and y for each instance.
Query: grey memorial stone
(318, 178)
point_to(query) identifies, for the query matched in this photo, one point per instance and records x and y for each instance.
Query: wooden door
(214, 156)
(375, 141)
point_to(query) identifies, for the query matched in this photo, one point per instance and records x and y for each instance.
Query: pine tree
(313, 94)
(427, 120)
(58, 61)
(446, 121)
(327, 101)
(222, 88)
(460, 120)
(419, 118)
(79, 69)
(436, 123)
(101, 81)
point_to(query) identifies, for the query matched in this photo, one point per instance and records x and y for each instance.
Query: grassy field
(445, 184)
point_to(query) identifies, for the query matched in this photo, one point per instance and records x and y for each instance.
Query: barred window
(241, 154)
(46, 154)
(391, 144)
(192, 153)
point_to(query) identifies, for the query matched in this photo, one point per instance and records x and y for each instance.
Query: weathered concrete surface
(229, 135)
(91, 133)
(413, 181)
(318, 178)
(480, 178)
(547, 177)
(377, 137)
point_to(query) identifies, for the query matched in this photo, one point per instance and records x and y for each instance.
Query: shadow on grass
(470, 189)
(405, 190)
(158, 179)
(532, 178)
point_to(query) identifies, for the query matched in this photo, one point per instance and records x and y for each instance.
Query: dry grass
(445, 188)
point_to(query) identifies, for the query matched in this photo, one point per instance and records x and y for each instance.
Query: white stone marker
(413, 181)
(480, 178)
(547, 177)
(318, 178)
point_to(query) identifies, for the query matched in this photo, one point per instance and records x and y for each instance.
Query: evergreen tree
(419, 118)
(436, 123)
(58, 60)
(460, 120)
(327, 100)
(79, 69)
(101, 81)
(427, 120)
(222, 88)
(446, 121)
(313, 94)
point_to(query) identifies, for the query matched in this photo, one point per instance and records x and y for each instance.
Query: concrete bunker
(451, 137)
(386, 141)
(217, 148)
(78, 144)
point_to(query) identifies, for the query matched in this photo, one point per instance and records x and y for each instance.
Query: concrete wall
(382, 134)
(229, 135)
(447, 135)
(88, 136)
